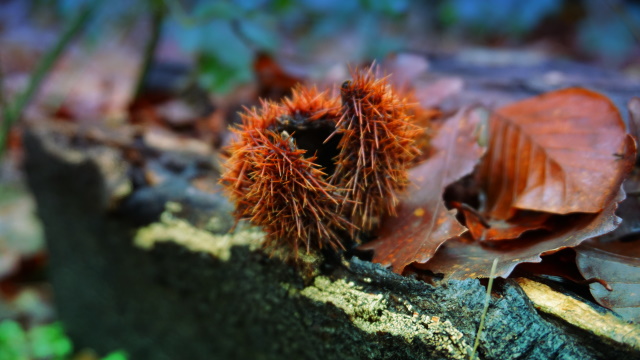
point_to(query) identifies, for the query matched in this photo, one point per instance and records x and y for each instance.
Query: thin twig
(13, 112)
(157, 21)
(487, 299)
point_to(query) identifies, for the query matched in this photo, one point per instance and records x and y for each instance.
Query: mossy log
(172, 284)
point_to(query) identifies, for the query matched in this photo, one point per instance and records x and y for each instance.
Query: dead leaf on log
(559, 265)
(558, 153)
(423, 222)
(464, 257)
(617, 263)
(561, 152)
(482, 229)
(615, 257)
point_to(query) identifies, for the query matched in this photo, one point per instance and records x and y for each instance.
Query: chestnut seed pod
(376, 149)
(275, 174)
(313, 170)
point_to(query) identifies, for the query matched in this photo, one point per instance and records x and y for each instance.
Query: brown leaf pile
(550, 179)
(614, 258)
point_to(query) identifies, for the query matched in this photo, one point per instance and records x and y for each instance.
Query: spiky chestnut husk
(274, 184)
(376, 149)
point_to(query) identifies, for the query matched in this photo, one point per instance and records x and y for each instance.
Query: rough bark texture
(169, 290)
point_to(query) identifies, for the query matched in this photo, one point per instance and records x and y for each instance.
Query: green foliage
(220, 76)
(41, 342)
(118, 355)
(226, 35)
(49, 341)
(13, 342)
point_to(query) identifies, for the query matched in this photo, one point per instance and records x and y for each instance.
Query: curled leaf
(495, 230)
(464, 257)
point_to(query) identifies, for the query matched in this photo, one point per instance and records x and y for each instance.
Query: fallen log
(169, 282)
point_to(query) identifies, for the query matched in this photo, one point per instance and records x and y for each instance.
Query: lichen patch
(371, 313)
(173, 229)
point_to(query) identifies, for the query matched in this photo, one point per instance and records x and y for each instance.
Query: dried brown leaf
(628, 210)
(405, 67)
(274, 82)
(496, 230)
(423, 222)
(561, 152)
(464, 257)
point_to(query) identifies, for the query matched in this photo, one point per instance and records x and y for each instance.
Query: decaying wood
(582, 316)
(170, 290)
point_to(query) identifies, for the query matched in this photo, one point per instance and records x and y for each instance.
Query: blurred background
(173, 63)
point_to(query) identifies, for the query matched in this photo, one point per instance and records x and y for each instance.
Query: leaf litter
(423, 221)
(550, 179)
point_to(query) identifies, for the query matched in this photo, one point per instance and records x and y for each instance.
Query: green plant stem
(487, 300)
(157, 21)
(13, 112)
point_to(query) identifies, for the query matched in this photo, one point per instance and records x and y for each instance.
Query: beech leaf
(561, 155)
(495, 230)
(463, 257)
(617, 263)
(628, 211)
(615, 258)
(423, 222)
(561, 152)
